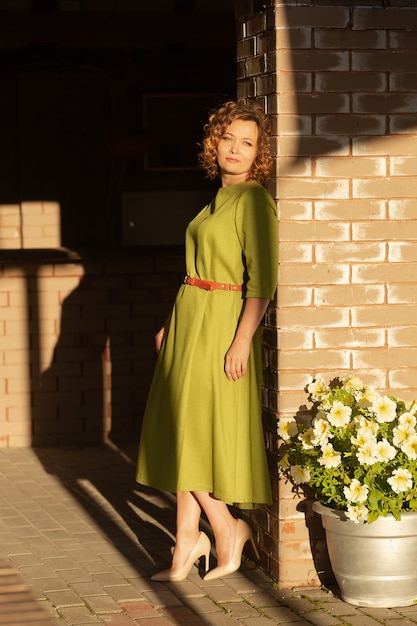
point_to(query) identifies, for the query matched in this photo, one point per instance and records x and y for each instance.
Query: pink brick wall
(342, 81)
(76, 348)
(30, 225)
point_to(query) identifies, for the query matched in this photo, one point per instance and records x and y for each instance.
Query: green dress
(202, 432)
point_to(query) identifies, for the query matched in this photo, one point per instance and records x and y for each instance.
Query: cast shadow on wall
(96, 383)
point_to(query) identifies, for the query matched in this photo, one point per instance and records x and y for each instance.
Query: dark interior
(105, 98)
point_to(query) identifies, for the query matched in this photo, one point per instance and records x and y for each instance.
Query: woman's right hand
(159, 338)
(160, 335)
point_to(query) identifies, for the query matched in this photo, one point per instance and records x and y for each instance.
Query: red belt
(209, 285)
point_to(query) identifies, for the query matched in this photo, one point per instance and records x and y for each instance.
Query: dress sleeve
(257, 229)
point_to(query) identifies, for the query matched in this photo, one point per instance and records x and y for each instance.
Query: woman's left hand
(236, 359)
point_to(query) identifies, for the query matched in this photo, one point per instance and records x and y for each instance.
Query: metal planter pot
(374, 564)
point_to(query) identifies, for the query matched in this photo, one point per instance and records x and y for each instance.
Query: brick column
(256, 70)
(345, 79)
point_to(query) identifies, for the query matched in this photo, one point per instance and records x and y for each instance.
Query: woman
(202, 433)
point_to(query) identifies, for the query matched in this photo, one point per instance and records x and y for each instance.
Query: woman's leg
(223, 523)
(190, 543)
(230, 535)
(188, 521)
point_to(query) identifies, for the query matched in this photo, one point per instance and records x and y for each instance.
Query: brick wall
(76, 348)
(30, 225)
(346, 102)
(256, 63)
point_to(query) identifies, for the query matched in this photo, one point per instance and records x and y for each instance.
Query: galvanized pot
(374, 564)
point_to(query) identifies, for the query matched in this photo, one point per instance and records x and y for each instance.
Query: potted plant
(357, 450)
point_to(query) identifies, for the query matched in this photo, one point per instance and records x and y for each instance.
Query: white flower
(401, 480)
(340, 414)
(362, 438)
(356, 492)
(386, 452)
(317, 388)
(368, 426)
(367, 397)
(330, 458)
(365, 434)
(287, 428)
(306, 439)
(326, 403)
(357, 449)
(409, 447)
(401, 433)
(353, 384)
(357, 513)
(300, 474)
(407, 419)
(321, 430)
(368, 452)
(410, 404)
(384, 409)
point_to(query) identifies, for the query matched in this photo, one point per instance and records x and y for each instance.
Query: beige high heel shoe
(243, 534)
(201, 548)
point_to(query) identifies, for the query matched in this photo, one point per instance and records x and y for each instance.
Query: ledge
(65, 255)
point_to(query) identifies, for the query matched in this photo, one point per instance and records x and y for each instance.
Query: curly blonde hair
(219, 120)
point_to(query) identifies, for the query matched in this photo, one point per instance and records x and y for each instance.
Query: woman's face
(236, 151)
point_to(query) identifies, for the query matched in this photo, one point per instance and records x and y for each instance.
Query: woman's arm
(237, 356)
(160, 335)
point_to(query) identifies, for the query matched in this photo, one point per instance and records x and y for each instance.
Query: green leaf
(373, 515)
(284, 461)
(374, 497)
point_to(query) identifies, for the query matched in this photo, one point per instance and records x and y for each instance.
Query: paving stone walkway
(81, 537)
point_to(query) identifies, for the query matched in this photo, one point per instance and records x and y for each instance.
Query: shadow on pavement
(138, 521)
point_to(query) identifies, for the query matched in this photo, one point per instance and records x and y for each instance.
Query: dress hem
(241, 503)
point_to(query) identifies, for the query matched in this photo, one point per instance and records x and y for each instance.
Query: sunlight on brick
(15, 375)
(30, 225)
(10, 227)
(41, 225)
